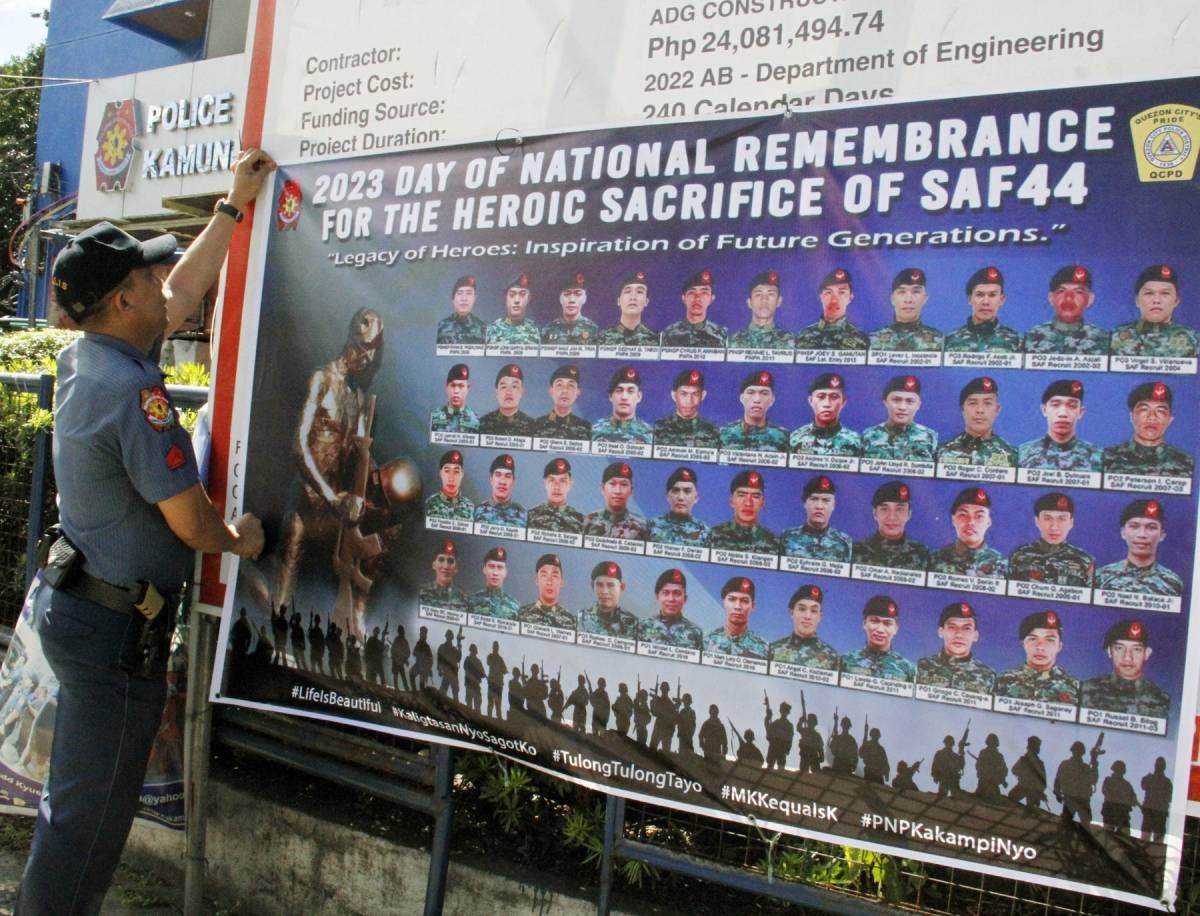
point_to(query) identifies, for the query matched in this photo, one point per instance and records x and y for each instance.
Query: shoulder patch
(156, 408)
(175, 458)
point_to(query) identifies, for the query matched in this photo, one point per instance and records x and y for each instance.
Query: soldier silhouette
(780, 735)
(748, 752)
(497, 668)
(1074, 783)
(622, 709)
(601, 707)
(1155, 801)
(1119, 800)
(685, 725)
(843, 750)
(991, 770)
(641, 715)
(421, 672)
(578, 701)
(947, 769)
(400, 652)
(664, 710)
(876, 767)
(1030, 773)
(812, 746)
(714, 740)
(473, 675)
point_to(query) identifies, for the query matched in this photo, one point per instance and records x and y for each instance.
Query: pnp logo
(1164, 142)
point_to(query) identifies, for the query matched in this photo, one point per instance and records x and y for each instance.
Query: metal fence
(819, 877)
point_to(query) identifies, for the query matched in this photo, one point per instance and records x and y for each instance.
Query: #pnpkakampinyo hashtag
(865, 820)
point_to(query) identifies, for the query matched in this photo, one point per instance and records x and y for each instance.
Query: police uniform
(1054, 564)
(465, 330)
(967, 674)
(695, 433)
(755, 538)
(890, 665)
(811, 439)
(493, 513)
(705, 334)
(618, 622)
(902, 554)
(631, 430)
(503, 331)
(443, 596)
(677, 632)
(1154, 579)
(983, 337)
(497, 424)
(620, 336)
(967, 449)
(817, 544)
(556, 518)
(1053, 686)
(582, 331)
(1143, 338)
(809, 651)
(756, 338)
(1045, 453)
(447, 419)
(831, 335)
(550, 615)
(910, 336)
(1066, 337)
(608, 524)
(552, 426)
(1157, 460)
(441, 506)
(689, 530)
(911, 442)
(960, 560)
(767, 438)
(1140, 697)
(493, 602)
(748, 644)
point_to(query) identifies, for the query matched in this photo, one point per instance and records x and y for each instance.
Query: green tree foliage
(19, 100)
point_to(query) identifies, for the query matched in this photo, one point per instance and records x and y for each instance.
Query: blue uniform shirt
(119, 451)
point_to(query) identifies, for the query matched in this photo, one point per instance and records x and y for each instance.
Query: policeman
(900, 437)
(956, 666)
(825, 435)
(678, 525)
(455, 416)
(763, 300)
(890, 545)
(1040, 678)
(554, 514)
(561, 422)
(747, 499)
(450, 502)
(695, 330)
(1061, 449)
(907, 331)
(571, 327)
(491, 600)
(881, 623)
(983, 332)
(1142, 530)
(508, 419)
(978, 443)
(514, 327)
(685, 427)
(802, 646)
(1156, 295)
(1051, 559)
(500, 508)
(462, 326)
(969, 555)
(669, 626)
(442, 590)
(1151, 406)
(834, 330)
(606, 616)
(816, 539)
(132, 507)
(1070, 296)
(623, 425)
(1126, 689)
(736, 637)
(615, 520)
(546, 611)
(754, 432)
(629, 331)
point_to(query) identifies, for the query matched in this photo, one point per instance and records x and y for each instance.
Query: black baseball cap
(98, 259)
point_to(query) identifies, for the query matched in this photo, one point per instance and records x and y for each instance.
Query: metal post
(37, 490)
(197, 733)
(614, 826)
(443, 823)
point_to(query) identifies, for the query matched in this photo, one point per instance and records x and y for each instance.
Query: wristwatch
(224, 206)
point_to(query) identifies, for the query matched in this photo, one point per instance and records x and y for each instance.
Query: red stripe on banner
(212, 591)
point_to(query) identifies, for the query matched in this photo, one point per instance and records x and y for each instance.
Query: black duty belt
(105, 594)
